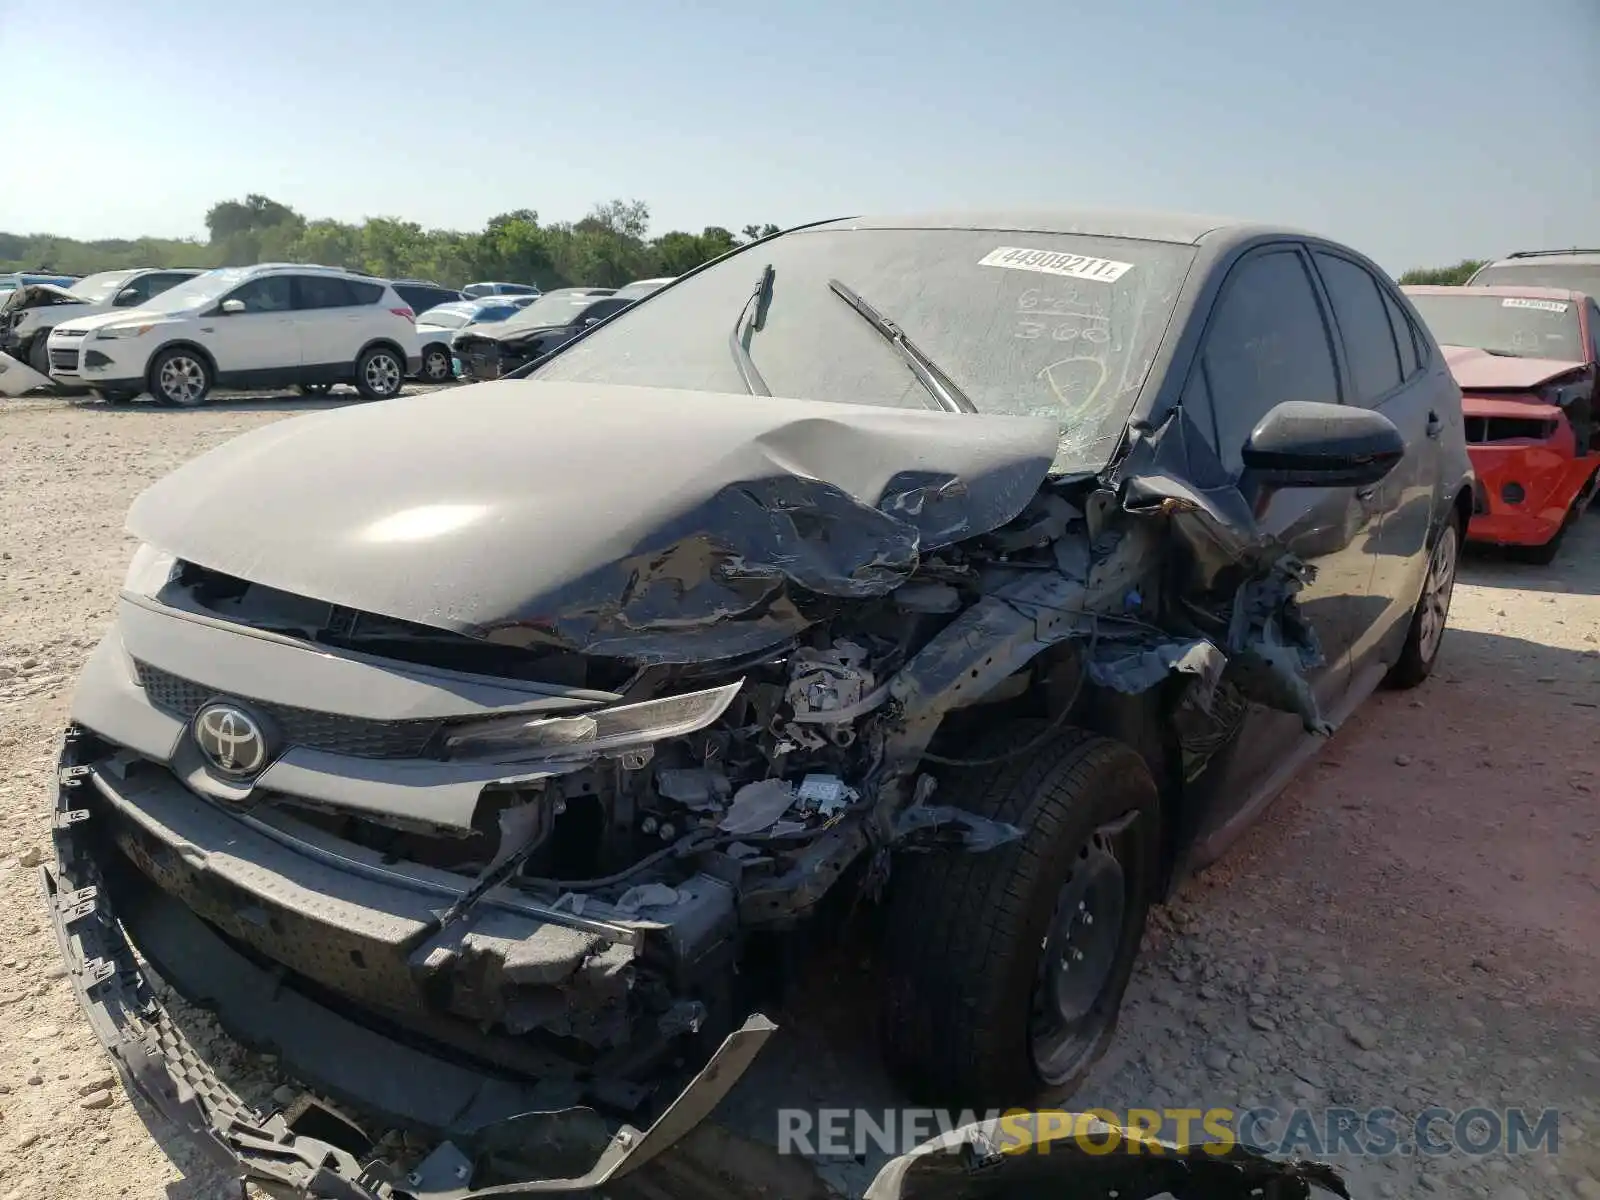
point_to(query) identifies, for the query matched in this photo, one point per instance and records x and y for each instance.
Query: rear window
(1576, 277)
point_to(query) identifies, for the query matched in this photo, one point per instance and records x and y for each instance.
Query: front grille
(359, 737)
(64, 360)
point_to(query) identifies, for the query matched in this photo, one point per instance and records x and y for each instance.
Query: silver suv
(1576, 270)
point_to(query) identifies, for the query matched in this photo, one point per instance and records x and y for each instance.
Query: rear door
(329, 315)
(1388, 373)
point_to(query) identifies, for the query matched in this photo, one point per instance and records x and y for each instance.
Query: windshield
(1576, 277)
(97, 289)
(552, 309)
(1025, 324)
(199, 291)
(1526, 328)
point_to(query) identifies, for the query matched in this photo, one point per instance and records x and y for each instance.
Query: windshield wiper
(940, 386)
(752, 317)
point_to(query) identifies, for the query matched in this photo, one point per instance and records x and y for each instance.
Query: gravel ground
(1412, 924)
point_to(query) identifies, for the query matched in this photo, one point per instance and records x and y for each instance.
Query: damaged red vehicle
(1527, 359)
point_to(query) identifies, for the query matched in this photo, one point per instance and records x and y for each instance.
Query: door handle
(1366, 493)
(1435, 426)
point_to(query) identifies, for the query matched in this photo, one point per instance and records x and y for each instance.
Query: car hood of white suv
(116, 316)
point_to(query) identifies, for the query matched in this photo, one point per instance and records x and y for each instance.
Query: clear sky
(1419, 131)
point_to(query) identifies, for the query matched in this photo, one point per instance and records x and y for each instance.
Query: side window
(364, 292)
(134, 294)
(322, 291)
(1594, 329)
(1267, 342)
(269, 293)
(163, 282)
(1404, 338)
(1369, 343)
(602, 310)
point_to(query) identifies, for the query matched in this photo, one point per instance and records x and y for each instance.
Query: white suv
(270, 325)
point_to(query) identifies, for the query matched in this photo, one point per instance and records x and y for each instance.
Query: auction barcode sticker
(1557, 306)
(1053, 262)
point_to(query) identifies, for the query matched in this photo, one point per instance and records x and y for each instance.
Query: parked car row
(550, 322)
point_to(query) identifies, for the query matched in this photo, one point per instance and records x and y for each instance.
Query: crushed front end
(1537, 461)
(472, 813)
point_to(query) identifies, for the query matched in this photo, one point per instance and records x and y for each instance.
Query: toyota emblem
(231, 740)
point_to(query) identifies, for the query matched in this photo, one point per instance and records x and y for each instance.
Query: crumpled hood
(1474, 368)
(30, 294)
(655, 524)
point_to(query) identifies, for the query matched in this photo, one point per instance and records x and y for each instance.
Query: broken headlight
(150, 571)
(589, 734)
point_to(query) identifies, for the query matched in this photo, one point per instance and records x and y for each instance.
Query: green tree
(1448, 276)
(609, 246)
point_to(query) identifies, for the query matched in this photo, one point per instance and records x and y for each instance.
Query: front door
(1267, 340)
(263, 337)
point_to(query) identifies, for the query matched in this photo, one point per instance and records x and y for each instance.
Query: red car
(1527, 360)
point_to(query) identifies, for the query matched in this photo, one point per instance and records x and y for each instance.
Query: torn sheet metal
(17, 378)
(1269, 644)
(1064, 1154)
(1134, 668)
(929, 825)
(667, 526)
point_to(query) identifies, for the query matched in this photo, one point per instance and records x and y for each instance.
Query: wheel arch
(181, 344)
(383, 343)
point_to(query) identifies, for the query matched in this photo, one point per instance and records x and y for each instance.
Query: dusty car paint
(740, 643)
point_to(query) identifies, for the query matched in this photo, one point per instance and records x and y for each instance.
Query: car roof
(1133, 224)
(1574, 256)
(313, 268)
(1512, 290)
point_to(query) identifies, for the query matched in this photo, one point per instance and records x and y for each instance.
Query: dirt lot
(1414, 922)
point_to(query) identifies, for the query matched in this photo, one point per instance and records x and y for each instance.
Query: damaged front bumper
(472, 1131)
(17, 378)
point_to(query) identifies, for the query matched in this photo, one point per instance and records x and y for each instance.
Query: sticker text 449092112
(1054, 262)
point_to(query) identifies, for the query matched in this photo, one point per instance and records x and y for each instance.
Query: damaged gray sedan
(473, 752)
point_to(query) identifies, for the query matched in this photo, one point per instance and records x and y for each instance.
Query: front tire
(380, 374)
(1006, 969)
(1432, 612)
(181, 377)
(436, 366)
(39, 352)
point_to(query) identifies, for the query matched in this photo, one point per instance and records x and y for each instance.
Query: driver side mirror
(232, 307)
(126, 297)
(1304, 444)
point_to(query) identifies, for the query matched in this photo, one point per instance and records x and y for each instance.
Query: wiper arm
(752, 317)
(940, 386)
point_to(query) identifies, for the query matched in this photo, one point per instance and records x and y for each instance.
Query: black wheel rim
(1079, 956)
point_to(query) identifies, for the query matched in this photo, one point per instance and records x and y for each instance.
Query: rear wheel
(1006, 968)
(1432, 612)
(380, 372)
(181, 377)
